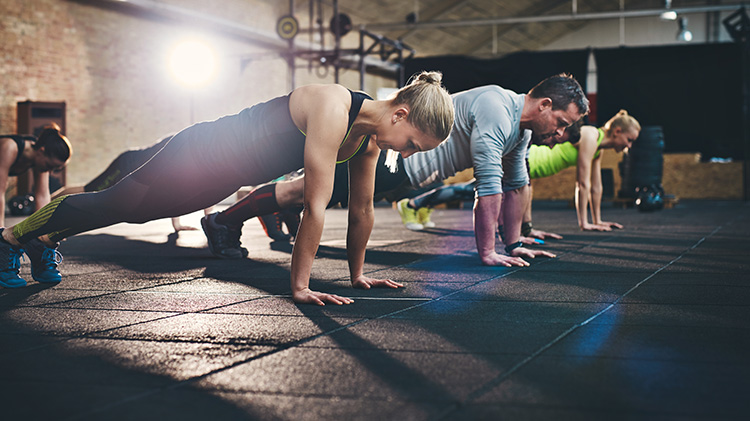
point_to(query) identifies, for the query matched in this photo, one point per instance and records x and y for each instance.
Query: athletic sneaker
(223, 241)
(271, 224)
(408, 215)
(10, 263)
(423, 217)
(44, 261)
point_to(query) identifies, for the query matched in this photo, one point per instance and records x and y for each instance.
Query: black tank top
(357, 99)
(21, 143)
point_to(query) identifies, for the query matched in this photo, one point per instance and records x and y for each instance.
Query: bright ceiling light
(192, 63)
(668, 15)
(684, 34)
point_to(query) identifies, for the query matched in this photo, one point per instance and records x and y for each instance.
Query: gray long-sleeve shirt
(486, 135)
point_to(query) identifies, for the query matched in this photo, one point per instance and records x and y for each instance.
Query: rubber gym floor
(647, 323)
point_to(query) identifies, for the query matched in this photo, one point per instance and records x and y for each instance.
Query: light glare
(192, 63)
(669, 15)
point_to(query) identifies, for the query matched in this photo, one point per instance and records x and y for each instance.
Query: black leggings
(124, 164)
(197, 168)
(446, 193)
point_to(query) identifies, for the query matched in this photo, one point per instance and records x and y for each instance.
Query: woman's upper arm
(596, 169)
(4, 180)
(8, 153)
(324, 114)
(586, 152)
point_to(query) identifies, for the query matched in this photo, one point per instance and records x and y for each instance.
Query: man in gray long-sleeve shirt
(491, 133)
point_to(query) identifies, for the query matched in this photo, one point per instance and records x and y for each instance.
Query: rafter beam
(447, 7)
(532, 10)
(550, 18)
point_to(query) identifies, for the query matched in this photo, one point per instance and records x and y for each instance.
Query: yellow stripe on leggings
(37, 219)
(58, 236)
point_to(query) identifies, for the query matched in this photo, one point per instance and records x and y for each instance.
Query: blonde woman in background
(618, 133)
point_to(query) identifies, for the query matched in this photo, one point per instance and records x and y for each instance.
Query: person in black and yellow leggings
(312, 128)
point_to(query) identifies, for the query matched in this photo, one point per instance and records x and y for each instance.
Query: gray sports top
(486, 135)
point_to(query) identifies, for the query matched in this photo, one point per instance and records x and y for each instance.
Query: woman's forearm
(357, 236)
(596, 205)
(305, 248)
(582, 202)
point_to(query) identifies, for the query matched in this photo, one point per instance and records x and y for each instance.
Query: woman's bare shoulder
(319, 100)
(7, 144)
(320, 92)
(589, 131)
(8, 152)
(589, 134)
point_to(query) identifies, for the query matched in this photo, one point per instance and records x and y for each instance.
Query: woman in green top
(618, 133)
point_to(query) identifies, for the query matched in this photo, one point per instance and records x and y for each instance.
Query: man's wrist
(526, 228)
(509, 248)
(486, 253)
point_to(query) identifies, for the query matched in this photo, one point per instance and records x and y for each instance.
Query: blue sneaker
(10, 263)
(44, 261)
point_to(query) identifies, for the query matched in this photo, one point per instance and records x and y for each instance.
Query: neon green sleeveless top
(545, 161)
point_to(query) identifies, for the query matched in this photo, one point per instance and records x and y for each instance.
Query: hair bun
(51, 126)
(430, 77)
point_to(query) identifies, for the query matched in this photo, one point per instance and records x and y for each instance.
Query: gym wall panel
(692, 91)
(518, 72)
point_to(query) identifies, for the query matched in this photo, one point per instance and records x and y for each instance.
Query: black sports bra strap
(357, 99)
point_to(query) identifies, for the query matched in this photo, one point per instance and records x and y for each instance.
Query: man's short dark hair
(563, 89)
